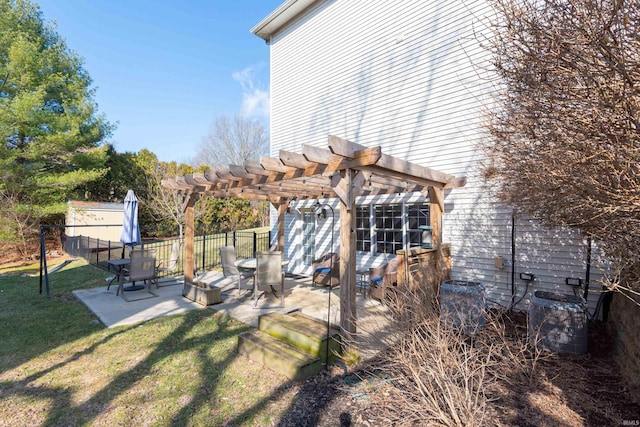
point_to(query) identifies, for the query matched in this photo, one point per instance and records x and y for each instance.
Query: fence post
(43, 257)
(255, 243)
(97, 251)
(204, 252)
(235, 243)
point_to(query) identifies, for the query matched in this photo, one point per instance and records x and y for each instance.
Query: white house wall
(410, 76)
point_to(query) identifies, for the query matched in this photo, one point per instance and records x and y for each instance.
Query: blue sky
(164, 69)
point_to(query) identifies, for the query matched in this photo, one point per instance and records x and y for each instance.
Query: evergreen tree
(50, 130)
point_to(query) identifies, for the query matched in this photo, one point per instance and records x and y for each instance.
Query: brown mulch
(12, 255)
(570, 390)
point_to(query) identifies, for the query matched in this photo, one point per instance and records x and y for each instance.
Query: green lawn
(60, 366)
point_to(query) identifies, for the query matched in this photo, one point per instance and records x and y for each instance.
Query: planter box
(202, 295)
(207, 292)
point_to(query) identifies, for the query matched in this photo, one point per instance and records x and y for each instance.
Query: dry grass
(444, 375)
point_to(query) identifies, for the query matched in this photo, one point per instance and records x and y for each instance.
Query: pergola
(345, 170)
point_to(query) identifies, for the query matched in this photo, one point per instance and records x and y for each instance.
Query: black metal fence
(206, 251)
(207, 254)
(95, 251)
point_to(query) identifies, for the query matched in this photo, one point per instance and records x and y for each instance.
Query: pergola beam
(273, 165)
(316, 154)
(396, 167)
(365, 157)
(295, 160)
(314, 173)
(256, 168)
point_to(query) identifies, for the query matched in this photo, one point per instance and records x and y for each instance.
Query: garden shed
(104, 220)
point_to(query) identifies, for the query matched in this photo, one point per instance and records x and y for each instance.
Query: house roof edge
(285, 14)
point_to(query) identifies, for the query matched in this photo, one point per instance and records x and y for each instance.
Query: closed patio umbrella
(130, 229)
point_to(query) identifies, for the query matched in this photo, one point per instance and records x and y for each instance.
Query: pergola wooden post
(348, 314)
(345, 171)
(189, 237)
(281, 207)
(436, 209)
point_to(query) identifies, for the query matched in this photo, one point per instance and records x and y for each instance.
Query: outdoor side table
(362, 281)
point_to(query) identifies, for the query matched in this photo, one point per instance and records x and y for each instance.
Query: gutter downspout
(587, 276)
(513, 258)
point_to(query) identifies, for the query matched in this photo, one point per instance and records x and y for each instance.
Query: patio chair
(166, 265)
(269, 274)
(142, 268)
(229, 269)
(382, 279)
(326, 270)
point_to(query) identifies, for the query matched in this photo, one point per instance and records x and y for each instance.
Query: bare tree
(18, 221)
(162, 203)
(165, 204)
(565, 146)
(233, 141)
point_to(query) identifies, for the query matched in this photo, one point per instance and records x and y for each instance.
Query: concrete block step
(280, 356)
(303, 332)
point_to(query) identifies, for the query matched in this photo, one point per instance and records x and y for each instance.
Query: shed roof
(106, 206)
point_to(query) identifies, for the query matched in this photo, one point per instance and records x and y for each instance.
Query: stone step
(302, 331)
(280, 356)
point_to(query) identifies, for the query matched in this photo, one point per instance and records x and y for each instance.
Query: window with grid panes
(388, 220)
(363, 229)
(308, 237)
(417, 215)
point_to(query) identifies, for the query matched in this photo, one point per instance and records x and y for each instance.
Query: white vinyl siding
(411, 77)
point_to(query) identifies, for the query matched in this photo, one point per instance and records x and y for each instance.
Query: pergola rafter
(345, 170)
(312, 175)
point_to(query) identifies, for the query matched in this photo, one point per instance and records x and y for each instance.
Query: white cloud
(255, 94)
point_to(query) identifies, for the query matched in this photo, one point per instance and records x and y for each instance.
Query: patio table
(118, 268)
(252, 263)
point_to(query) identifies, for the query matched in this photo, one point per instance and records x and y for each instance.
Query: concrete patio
(374, 327)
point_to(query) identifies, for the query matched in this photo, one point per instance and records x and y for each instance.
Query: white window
(394, 225)
(388, 220)
(363, 228)
(417, 216)
(308, 237)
